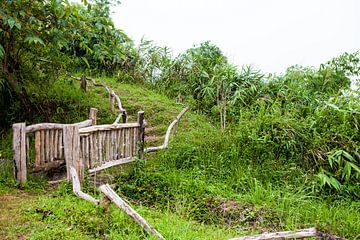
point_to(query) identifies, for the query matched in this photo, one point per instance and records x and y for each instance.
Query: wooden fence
(83, 145)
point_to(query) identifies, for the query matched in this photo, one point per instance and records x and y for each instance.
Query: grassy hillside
(203, 187)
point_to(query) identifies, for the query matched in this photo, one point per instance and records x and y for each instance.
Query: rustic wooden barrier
(83, 146)
(104, 146)
(48, 144)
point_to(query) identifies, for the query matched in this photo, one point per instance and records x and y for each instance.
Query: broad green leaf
(2, 51)
(11, 22)
(86, 61)
(33, 39)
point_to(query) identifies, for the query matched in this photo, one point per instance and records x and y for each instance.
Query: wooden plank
(112, 144)
(300, 234)
(135, 140)
(42, 146)
(72, 148)
(100, 148)
(51, 145)
(37, 148)
(112, 100)
(19, 152)
(47, 145)
(92, 115)
(111, 164)
(141, 135)
(95, 161)
(27, 148)
(48, 126)
(48, 166)
(107, 127)
(108, 145)
(87, 151)
(92, 152)
(126, 152)
(61, 144)
(56, 144)
(122, 143)
(111, 195)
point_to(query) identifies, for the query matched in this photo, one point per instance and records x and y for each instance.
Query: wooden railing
(84, 146)
(104, 146)
(47, 139)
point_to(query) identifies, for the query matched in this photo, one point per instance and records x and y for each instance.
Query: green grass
(205, 186)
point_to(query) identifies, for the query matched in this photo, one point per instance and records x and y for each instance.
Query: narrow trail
(10, 207)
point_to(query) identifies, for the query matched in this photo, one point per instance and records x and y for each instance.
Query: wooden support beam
(19, 152)
(72, 151)
(141, 135)
(105, 127)
(49, 166)
(77, 188)
(111, 164)
(49, 126)
(112, 100)
(92, 115)
(300, 234)
(119, 202)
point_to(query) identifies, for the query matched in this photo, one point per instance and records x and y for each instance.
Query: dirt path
(10, 216)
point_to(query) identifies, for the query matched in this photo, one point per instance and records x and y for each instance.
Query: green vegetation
(257, 152)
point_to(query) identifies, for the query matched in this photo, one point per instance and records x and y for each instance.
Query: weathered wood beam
(107, 127)
(119, 202)
(19, 150)
(168, 132)
(47, 166)
(111, 164)
(92, 115)
(300, 234)
(141, 135)
(48, 126)
(72, 150)
(77, 188)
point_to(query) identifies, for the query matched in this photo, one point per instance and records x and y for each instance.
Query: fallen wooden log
(167, 135)
(49, 166)
(300, 234)
(77, 188)
(112, 196)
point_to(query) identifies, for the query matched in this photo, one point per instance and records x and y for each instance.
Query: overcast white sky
(269, 34)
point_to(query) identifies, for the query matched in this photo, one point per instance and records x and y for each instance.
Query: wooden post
(83, 83)
(19, 152)
(92, 115)
(141, 135)
(124, 116)
(72, 151)
(112, 100)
